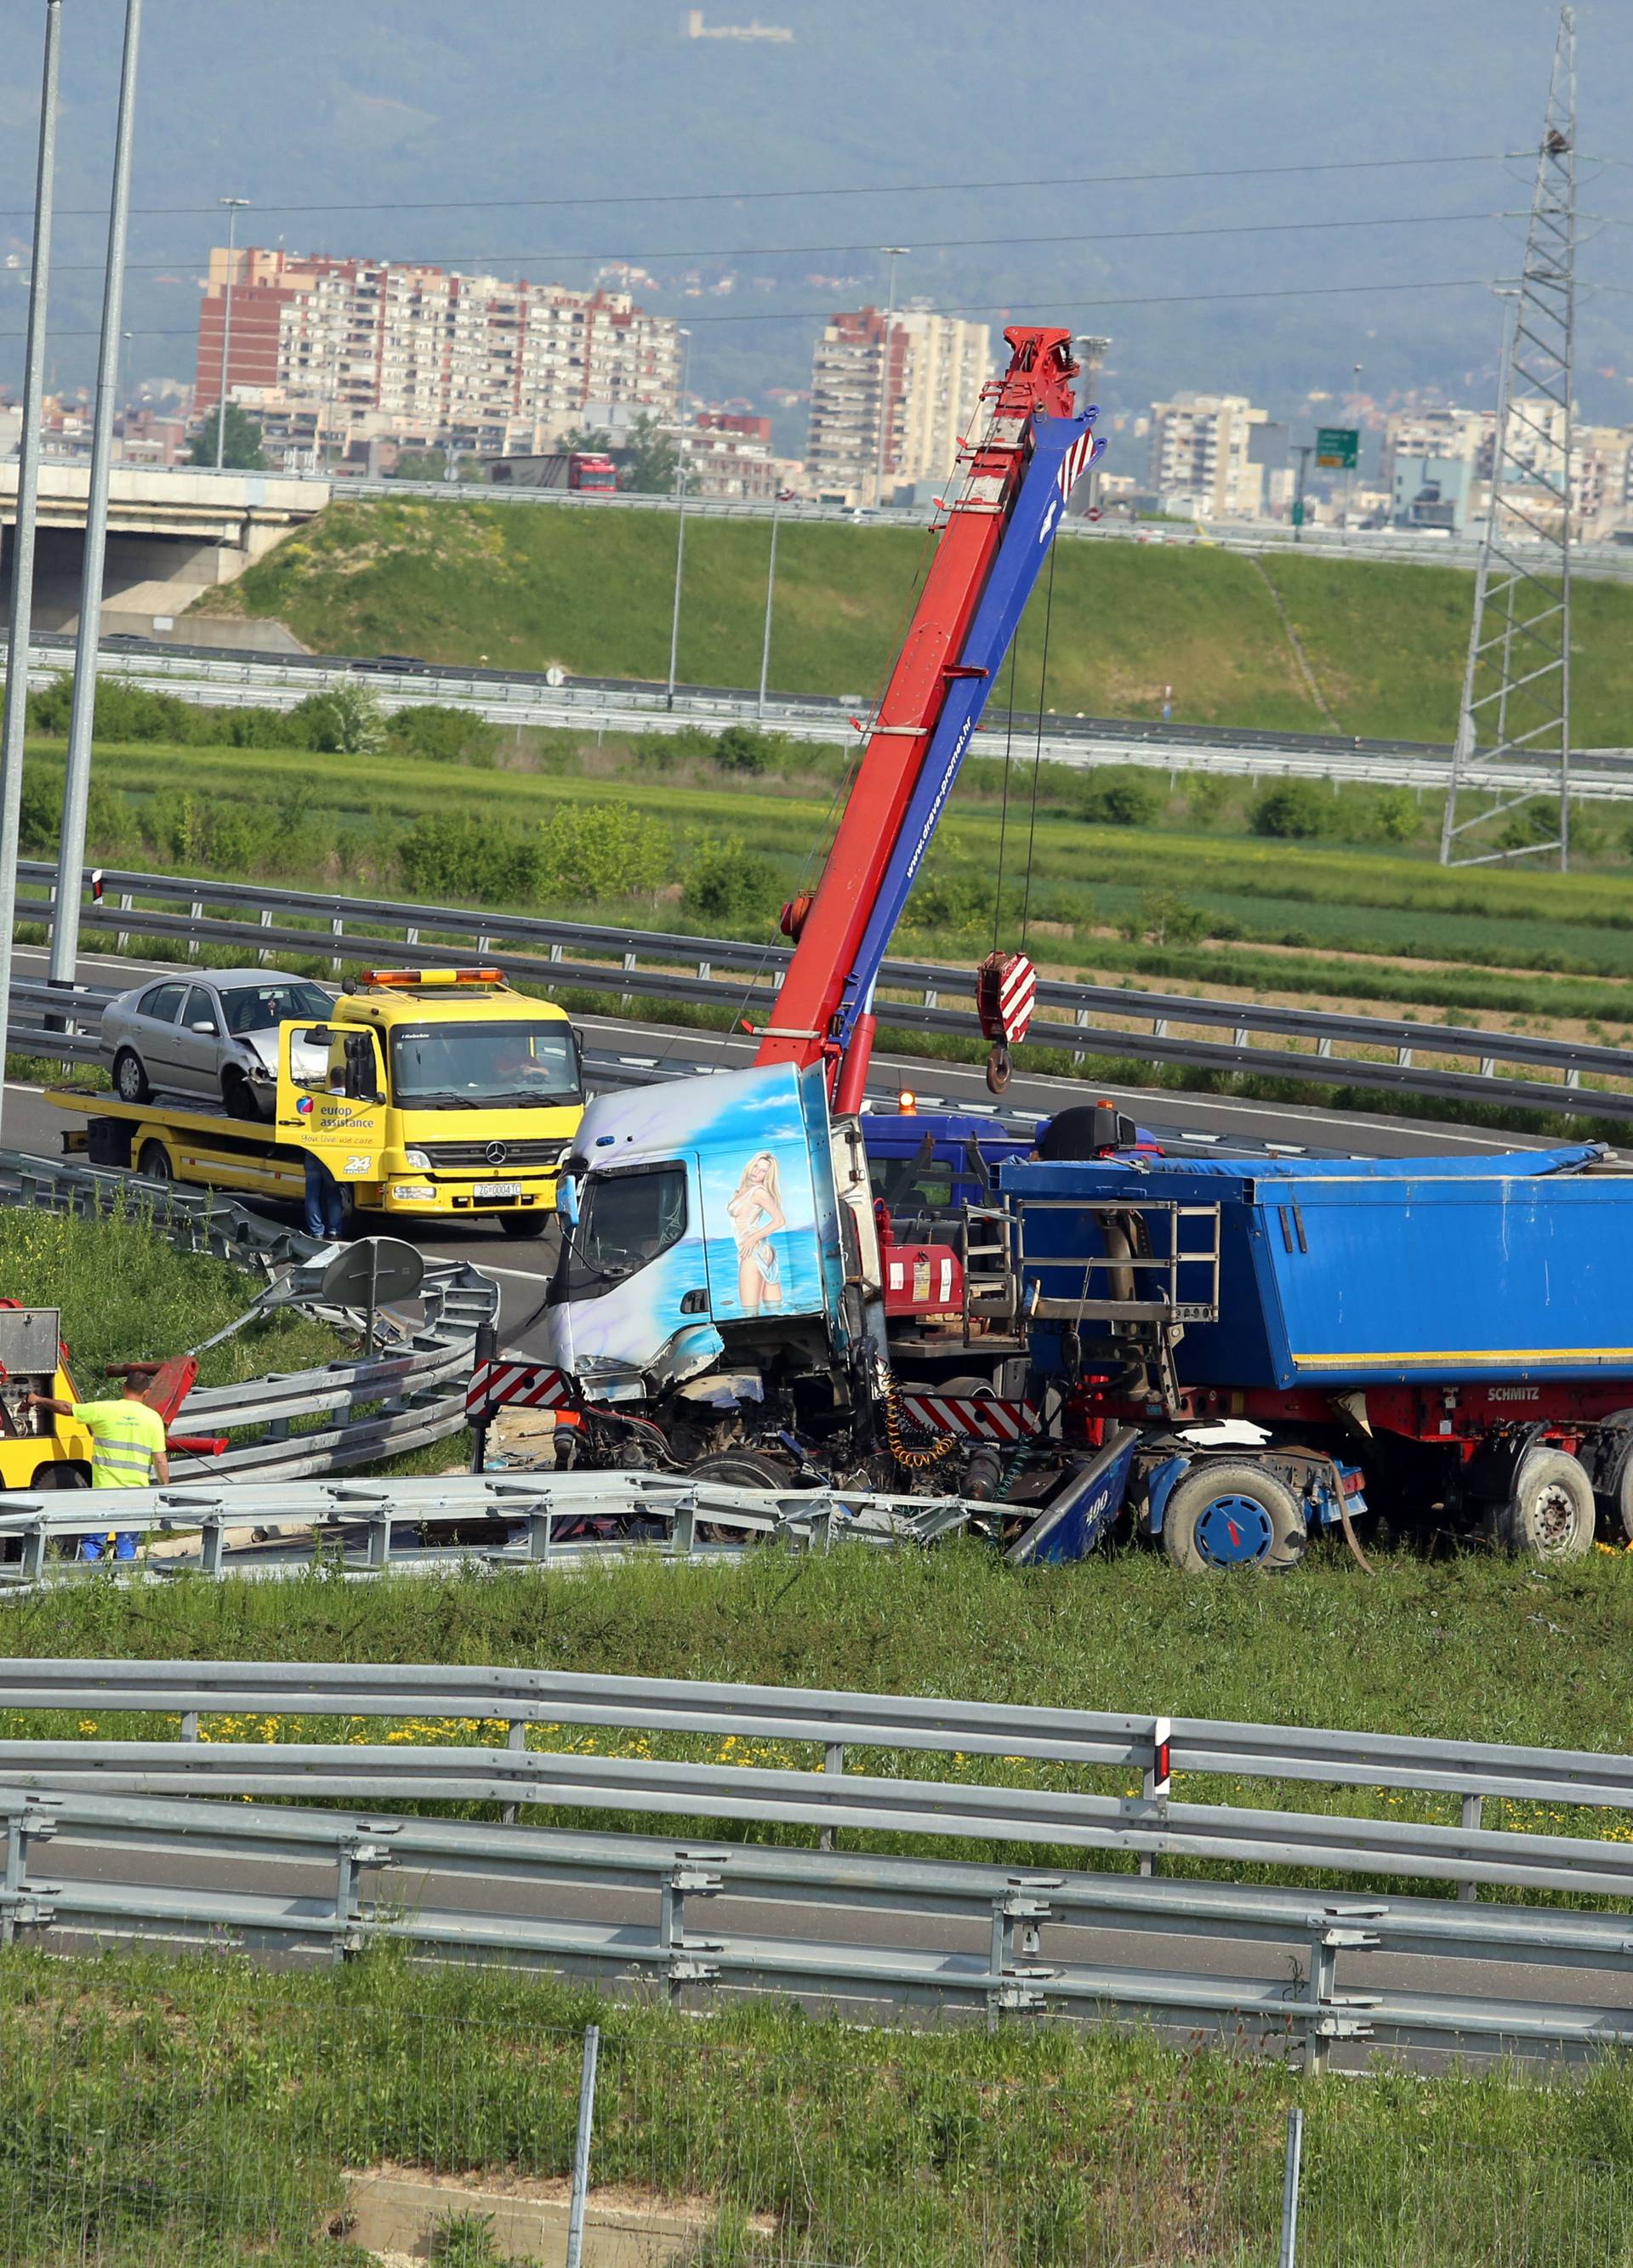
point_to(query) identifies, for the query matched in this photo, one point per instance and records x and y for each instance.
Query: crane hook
(998, 1066)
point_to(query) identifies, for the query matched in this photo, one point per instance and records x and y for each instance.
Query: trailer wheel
(153, 1159)
(1221, 1517)
(1549, 1512)
(524, 1224)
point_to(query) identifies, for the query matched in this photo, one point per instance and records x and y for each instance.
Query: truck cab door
(342, 1116)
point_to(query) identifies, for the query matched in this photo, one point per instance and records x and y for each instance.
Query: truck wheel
(1222, 1516)
(129, 1080)
(1549, 1513)
(153, 1159)
(524, 1224)
(737, 1469)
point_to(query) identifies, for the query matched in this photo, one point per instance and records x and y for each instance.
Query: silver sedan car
(212, 1035)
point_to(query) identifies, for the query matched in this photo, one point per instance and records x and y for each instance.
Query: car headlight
(417, 1159)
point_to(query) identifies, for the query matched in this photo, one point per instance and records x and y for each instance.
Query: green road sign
(1337, 444)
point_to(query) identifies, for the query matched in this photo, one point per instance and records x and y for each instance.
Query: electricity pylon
(1513, 735)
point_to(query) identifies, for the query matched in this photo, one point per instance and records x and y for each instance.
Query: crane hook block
(1006, 993)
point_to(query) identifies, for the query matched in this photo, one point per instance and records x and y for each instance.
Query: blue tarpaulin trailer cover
(1338, 1272)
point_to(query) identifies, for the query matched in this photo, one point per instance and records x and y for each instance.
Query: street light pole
(70, 849)
(892, 252)
(770, 591)
(1304, 451)
(680, 515)
(234, 206)
(16, 711)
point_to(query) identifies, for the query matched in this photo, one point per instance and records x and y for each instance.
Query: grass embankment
(527, 586)
(127, 1295)
(171, 2116)
(1467, 1650)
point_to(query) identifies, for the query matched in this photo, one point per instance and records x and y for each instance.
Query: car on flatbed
(212, 1035)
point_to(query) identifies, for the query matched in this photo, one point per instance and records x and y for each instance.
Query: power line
(1061, 306)
(930, 244)
(763, 196)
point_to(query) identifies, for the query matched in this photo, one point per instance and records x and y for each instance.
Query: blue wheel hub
(1234, 1531)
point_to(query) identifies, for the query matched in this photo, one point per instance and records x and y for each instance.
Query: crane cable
(1003, 815)
(1043, 684)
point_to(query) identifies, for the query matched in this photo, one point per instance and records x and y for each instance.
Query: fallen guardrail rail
(866, 1935)
(262, 1525)
(1082, 1018)
(401, 1396)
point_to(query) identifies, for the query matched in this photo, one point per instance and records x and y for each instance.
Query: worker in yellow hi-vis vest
(127, 1451)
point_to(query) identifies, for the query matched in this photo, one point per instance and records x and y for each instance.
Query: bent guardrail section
(401, 1397)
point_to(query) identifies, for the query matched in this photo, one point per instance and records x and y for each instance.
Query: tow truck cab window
(443, 1066)
(626, 1220)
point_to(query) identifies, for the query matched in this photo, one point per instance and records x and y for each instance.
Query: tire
(1224, 1517)
(238, 1096)
(129, 1079)
(524, 1224)
(737, 1468)
(1549, 1513)
(154, 1162)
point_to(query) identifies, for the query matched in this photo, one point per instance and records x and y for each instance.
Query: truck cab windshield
(626, 1220)
(445, 1066)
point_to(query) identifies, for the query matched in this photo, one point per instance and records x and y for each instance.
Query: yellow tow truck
(445, 1095)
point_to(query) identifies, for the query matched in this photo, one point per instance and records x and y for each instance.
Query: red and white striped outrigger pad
(979, 1417)
(524, 1385)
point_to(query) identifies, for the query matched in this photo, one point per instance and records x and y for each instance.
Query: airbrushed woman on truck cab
(755, 1211)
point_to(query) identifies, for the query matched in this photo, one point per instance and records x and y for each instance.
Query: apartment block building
(887, 412)
(334, 350)
(1201, 456)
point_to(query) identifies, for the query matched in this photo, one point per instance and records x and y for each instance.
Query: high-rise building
(1202, 461)
(886, 414)
(373, 348)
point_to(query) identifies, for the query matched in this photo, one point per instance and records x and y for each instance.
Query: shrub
(124, 712)
(604, 850)
(1164, 917)
(740, 749)
(1294, 810)
(727, 883)
(946, 896)
(1396, 814)
(452, 855)
(445, 735)
(344, 722)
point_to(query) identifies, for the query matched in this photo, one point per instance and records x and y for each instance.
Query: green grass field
(525, 587)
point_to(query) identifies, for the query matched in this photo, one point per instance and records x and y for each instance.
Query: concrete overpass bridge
(171, 536)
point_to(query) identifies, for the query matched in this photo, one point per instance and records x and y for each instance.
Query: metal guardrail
(672, 966)
(557, 1520)
(915, 1723)
(860, 1932)
(865, 1928)
(401, 1397)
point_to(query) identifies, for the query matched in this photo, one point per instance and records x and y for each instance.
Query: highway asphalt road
(1210, 1123)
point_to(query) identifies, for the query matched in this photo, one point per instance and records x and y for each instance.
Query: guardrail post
(833, 1761)
(22, 1826)
(379, 1538)
(210, 1541)
(1288, 2255)
(1156, 1778)
(122, 939)
(197, 915)
(189, 1724)
(33, 1559)
(515, 1739)
(266, 923)
(351, 1853)
(1009, 1989)
(336, 928)
(582, 2145)
(686, 1878)
(683, 1525)
(1473, 1806)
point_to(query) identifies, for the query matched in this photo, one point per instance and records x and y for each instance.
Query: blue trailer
(1457, 1326)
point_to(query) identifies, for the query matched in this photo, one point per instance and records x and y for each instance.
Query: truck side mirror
(568, 1201)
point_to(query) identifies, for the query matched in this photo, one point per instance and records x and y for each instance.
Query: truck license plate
(497, 1189)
